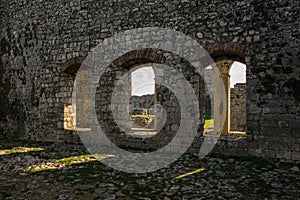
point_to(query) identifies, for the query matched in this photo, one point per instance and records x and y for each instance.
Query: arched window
(143, 99)
(233, 74)
(237, 97)
(67, 91)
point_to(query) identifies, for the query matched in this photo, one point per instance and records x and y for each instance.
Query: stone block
(283, 154)
(296, 155)
(242, 152)
(267, 153)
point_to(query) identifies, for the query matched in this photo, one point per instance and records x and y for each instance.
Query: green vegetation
(81, 159)
(209, 123)
(66, 162)
(37, 168)
(20, 150)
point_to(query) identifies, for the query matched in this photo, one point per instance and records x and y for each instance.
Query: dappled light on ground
(19, 150)
(64, 162)
(76, 174)
(190, 173)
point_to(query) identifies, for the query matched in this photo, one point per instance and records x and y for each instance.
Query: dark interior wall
(4, 79)
(4, 87)
(44, 35)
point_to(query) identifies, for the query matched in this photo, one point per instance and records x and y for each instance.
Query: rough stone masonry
(44, 42)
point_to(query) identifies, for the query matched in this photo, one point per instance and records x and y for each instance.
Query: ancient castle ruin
(43, 44)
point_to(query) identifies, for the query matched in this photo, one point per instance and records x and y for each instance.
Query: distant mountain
(145, 101)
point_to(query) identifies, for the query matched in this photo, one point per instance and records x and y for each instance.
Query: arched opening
(114, 102)
(237, 97)
(67, 91)
(68, 80)
(233, 74)
(143, 100)
(116, 86)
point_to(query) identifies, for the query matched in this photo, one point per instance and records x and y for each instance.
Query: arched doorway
(233, 74)
(143, 100)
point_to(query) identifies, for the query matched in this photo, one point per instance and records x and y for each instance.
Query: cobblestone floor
(85, 178)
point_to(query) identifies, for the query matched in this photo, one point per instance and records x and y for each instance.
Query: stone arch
(165, 97)
(72, 65)
(137, 57)
(224, 55)
(69, 70)
(229, 51)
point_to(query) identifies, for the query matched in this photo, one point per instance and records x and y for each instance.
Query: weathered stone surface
(238, 108)
(41, 39)
(222, 177)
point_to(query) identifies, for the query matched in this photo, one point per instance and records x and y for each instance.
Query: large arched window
(233, 74)
(143, 99)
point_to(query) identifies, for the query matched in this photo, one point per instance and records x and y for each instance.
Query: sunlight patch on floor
(20, 150)
(64, 162)
(190, 173)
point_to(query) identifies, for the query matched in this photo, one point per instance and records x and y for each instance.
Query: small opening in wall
(69, 107)
(76, 115)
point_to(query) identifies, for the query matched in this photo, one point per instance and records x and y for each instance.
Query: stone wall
(238, 107)
(165, 97)
(40, 39)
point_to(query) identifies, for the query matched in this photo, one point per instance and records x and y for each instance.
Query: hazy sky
(237, 73)
(143, 78)
(142, 81)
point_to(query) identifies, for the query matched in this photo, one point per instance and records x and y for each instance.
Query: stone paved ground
(223, 178)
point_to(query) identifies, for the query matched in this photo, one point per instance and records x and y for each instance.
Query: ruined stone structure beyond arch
(43, 43)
